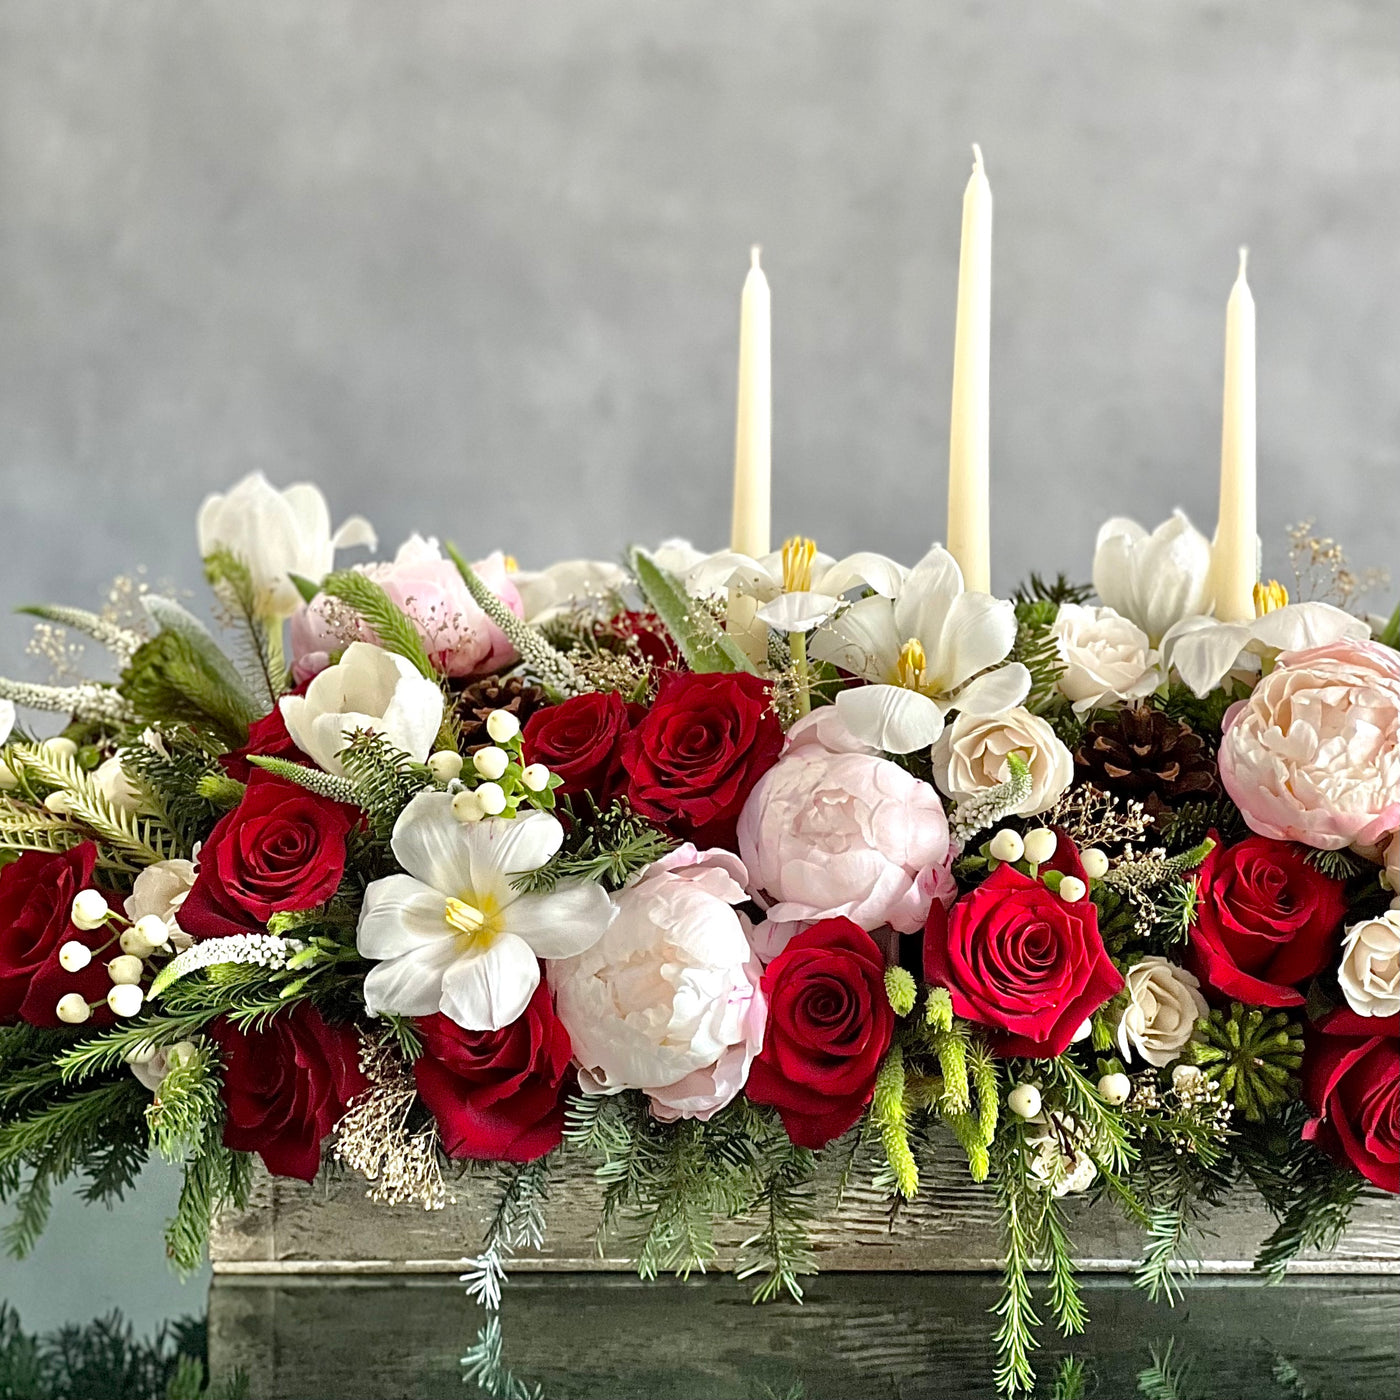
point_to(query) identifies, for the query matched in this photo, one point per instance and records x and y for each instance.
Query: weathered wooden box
(331, 1228)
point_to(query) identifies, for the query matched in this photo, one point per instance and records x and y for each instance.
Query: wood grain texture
(329, 1227)
(877, 1335)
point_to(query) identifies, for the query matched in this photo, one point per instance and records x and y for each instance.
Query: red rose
(267, 738)
(498, 1096)
(654, 642)
(1351, 1080)
(287, 1086)
(281, 848)
(581, 741)
(36, 920)
(829, 1025)
(1018, 958)
(695, 757)
(1266, 921)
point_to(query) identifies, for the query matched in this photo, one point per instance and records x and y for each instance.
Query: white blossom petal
(864, 568)
(862, 640)
(488, 990)
(798, 612)
(433, 846)
(976, 632)
(890, 717)
(570, 918)
(409, 985)
(400, 914)
(990, 694)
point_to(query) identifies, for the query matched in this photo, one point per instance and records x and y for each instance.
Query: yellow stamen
(798, 554)
(913, 664)
(1269, 596)
(465, 918)
(512, 564)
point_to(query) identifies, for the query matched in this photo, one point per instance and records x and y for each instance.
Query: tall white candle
(1235, 559)
(969, 507)
(753, 434)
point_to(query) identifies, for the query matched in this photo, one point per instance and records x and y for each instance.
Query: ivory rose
(1370, 969)
(1314, 754)
(835, 831)
(1107, 658)
(460, 638)
(161, 889)
(971, 755)
(1164, 1004)
(668, 1000)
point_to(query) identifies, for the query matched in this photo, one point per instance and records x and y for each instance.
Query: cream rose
(1164, 1004)
(1370, 970)
(160, 889)
(970, 757)
(1107, 658)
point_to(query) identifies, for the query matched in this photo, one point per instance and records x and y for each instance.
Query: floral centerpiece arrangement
(702, 870)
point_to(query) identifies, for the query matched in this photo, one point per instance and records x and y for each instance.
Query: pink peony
(1314, 754)
(835, 831)
(668, 1001)
(461, 640)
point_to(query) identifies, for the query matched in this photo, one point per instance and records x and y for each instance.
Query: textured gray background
(474, 266)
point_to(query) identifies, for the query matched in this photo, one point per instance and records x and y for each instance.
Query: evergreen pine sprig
(389, 623)
(386, 780)
(516, 1223)
(780, 1251)
(261, 640)
(1038, 650)
(172, 772)
(607, 847)
(216, 1178)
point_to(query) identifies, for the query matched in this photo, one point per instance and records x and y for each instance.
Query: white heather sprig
(248, 949)
(87, 701)
(122, 642)
(312, 779)
(986, 808)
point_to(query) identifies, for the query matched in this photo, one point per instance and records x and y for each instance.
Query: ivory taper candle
(753, 434)
(969, 506)
(1235, 557)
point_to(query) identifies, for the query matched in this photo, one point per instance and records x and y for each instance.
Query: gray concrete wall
(474, 265)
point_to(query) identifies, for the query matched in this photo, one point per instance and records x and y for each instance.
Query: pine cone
(1147, 755)
(475, 701)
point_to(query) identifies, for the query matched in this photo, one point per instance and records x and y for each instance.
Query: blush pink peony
(1314, 754)
(835, 831)
(460, 638)
(668, 1000)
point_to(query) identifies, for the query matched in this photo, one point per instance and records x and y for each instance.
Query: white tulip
(276, 534)
(1153, 580)
(932, 648)
(367, 689)
(112, 781)
(1107, 658)
(546, 593)
(1203, 651)
(455, 934)
(1370, 970)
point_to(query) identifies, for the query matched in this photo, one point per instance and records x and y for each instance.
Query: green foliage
(1339, 865)
(1038, 651)
(516, 1223)
(173, 776)
(1390, 633)
(1059, 590)
(606, 846)
(780, 1253)
(260, 641)
(889, 1113)
(312, 779)
(901, 990)
(386, 780)
(484, 1366)
(1193, 821)
(988, 807)
(1253, 1054)
(215, 1178)
(1021, 1204)
(1165, 1378)
(389, 623)
(186, 1111)
(1205, 716)
(703, 643)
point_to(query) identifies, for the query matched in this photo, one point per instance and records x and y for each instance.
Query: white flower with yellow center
(931, 648)
(454, 934)
(797, 586)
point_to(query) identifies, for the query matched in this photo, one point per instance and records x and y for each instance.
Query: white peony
(1370, 970)
(368, 689)
(160, 889)
(1153, 580)
(1107, 658)
(276, 534)
(454, 934)
(931, 648)
(668, 1000)
(971, 756)
(1164, 1004)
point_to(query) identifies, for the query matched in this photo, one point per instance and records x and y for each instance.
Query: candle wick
(976, 157)
(753, 255)
(1244, 257)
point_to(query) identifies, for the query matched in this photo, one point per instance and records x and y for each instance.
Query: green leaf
(305, 587)
(170, 617)
(703, 645)
(391, 624)
(1390, 633)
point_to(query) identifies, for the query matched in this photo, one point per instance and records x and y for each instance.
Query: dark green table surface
(878, 1335)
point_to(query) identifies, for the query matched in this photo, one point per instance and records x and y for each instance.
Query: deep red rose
(287, 1086)
(581, 740)
(281, 848)
(829, 1025)
(653, 641)
(267, 738)
(1018, 958)
(498, 1096)
(1266, 921)
(1351, 1080)
(694, 758)
(36, 920)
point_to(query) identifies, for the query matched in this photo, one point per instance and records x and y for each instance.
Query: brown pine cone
(475, 701)
(1145, 754)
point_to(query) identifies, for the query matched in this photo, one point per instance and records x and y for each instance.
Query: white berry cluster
(502, 779)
